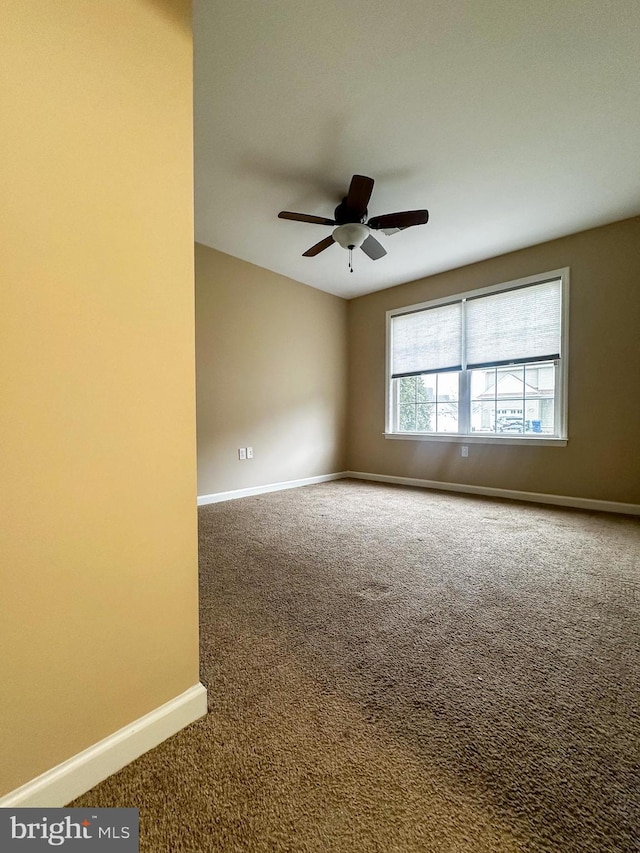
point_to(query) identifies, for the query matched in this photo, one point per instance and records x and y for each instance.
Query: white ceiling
(512, 121)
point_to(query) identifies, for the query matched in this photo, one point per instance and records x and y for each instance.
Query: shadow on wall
(174, 11)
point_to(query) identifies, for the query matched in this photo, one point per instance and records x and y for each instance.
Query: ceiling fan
(353, 231)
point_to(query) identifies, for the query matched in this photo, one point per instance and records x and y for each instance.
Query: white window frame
(560, 437)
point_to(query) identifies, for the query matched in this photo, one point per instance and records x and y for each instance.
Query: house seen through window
(491, 363)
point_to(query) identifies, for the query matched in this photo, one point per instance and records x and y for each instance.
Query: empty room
(320, 414)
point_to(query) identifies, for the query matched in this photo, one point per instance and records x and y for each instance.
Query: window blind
(427, 341)
(514, 325)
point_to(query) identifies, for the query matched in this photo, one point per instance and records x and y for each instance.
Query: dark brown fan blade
(306, 217)
(319, 247)
(400, 220)
(360, 191)
(373, 248)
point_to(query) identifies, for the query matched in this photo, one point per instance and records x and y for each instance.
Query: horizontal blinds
(427, 341)
(514, 325)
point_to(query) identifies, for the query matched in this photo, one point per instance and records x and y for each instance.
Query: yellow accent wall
(98, 548)
(272, 374)
(601, 459)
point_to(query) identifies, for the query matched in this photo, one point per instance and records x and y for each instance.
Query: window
(489, 365)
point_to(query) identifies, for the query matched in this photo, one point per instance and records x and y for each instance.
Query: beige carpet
(392, 669)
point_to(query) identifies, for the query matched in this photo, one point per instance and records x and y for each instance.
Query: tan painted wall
(97, 432)
(602, 459)
(271, 366)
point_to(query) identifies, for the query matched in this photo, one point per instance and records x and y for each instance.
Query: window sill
(457, 438)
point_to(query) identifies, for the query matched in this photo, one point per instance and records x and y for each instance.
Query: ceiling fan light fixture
(351, 236)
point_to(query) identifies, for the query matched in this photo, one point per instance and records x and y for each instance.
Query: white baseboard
(79, 774)
(271, 487)
(488, 491)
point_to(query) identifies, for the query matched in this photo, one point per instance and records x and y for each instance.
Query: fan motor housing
(344, 215)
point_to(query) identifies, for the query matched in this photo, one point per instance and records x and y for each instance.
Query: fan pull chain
(350, 259)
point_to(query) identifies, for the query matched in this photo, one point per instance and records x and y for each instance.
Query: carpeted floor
(392, 669)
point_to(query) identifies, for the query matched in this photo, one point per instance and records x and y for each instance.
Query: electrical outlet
(249, 452)
(242, 453)
(464, 450)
